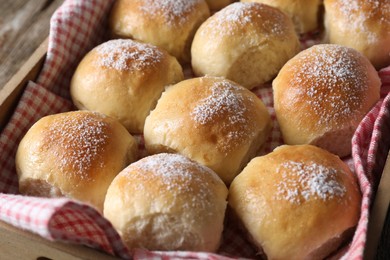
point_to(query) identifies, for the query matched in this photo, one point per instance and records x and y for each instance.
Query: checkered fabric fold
(78, 26)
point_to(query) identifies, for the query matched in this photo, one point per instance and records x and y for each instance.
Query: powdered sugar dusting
(173, 11)
(334, 73)
(80, 140)
(363, 14)
(302, 182)
(124, 54)
(225, 101)
(235, 17)
(224, 97)
(178, 174)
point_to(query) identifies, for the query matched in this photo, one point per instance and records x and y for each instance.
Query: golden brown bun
(73, 154)
(213, 121)
(244, 42)
(124, 79)
(167, 202)
(362, 25)
(218, 4)
(296, 202)
(170, 24)
(304, 14)
(322, 94)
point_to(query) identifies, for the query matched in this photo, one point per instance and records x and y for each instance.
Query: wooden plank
(18, 244)
(12, 91)
(378, 214)
(24, 25)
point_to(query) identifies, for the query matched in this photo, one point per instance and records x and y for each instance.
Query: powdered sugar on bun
(211, 120)
(332, 73)
(124, 78)
(322, 94)
(74, 154)
(360, 24)
(175, 12)
(176, 174)
(169, 24)
(296, 202)
(124, 55)
(360, 13)
(305, 14)
(311, 181)
(81, 141)
(167, 202)
(247, 43)
(225, 100)
(238, 15)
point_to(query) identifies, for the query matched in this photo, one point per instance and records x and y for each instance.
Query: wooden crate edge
(19, 244)
(13, 89)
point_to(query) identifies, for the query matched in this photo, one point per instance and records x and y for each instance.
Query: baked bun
(244, 42)
(75, 155)
(304, 14)
(216, 5)
(124, 79)
(167, 202)
(213, 121)
(322, 94)
(298, 202)
(170, 24)
(362, 25)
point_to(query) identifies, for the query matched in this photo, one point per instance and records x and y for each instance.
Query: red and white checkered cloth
(78, 26)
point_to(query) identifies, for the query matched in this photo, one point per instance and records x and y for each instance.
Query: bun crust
(245, 42)
(362, 25)
(167, 202)
(296, 202)
(213, 121)
(322, 94)
(304, 14)
(66, 154)
(124, 79)
(169, 24)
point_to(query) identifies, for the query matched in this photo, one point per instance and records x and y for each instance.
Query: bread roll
(216, 5)
(244, 42)
(167, 202)
(124, 79)
(170, 24)
(322, 94)
(75, 155)
(304, 14)
(298, 202)
(362, 25)
(213, 121)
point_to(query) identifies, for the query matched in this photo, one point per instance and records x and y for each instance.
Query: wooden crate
(11, 92)
(19, 244)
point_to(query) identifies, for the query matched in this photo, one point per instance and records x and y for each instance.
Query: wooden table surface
(24, 24)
